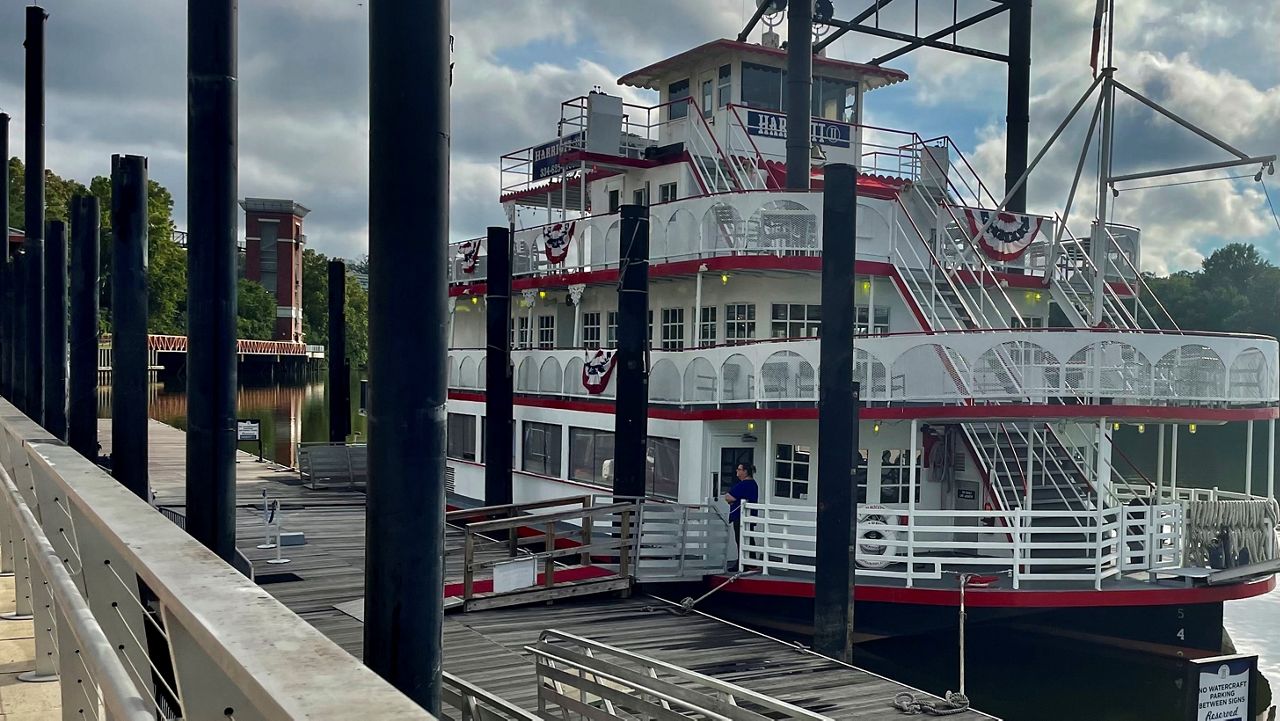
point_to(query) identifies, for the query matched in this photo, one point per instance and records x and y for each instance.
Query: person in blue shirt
(746, 489)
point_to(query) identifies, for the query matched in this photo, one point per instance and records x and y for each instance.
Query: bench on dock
(333, 465)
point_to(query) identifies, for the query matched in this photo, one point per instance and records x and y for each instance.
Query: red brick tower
(273, 257)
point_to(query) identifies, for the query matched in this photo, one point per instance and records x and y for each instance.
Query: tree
(256, 311)
(1236, 290)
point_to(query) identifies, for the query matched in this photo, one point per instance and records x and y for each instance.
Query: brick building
(273, 257)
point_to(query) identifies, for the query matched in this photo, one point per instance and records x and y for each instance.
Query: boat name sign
(774, 125)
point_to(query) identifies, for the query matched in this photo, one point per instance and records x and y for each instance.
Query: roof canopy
(649, 78)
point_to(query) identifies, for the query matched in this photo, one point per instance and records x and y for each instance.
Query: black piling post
(500, 427)
(631, 421)
(55, 329)
(33, 223)
(18, 326)
(339, 370)
(408, 316)
(837, 421)
(212, 215)
(799, 92)
(6, 329)
(82, 425)
(129, 323)
(1018, 118)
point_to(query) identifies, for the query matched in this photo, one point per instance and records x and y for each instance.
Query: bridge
(271, 358)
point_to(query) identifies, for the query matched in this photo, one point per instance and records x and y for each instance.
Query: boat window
(677, 91)
(588, 450)
(791, 471)
(641, 196)
(460, 437)
(739, 322)
(615, 200)
(673, 329)
(725, 89)
(546, 332)
(708, 100)
(662, 467)
(708, 323)
(762, 86)
(895, 476)
(880, 324)
(834, 99)
(520, 332)
(611, 337)
(666, 192)
(796, 320)
(591, 330)
(860, 474)
(541, 453)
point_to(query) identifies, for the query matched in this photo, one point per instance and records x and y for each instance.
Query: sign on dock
(1222, 688)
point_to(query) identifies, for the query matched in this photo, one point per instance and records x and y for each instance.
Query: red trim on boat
(902, 413)
(560, 575)
(1009, 598)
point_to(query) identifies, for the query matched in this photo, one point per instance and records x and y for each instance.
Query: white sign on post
(1222, 687)
(248, 430)
(512, 575)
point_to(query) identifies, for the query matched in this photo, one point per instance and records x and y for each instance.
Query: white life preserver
(872, 512)
(871, 534)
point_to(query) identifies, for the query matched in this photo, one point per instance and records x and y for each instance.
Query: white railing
(136, 616)
(1029, 546)
(1149, 368)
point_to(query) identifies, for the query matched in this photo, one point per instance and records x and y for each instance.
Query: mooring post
(408, 315)
(6, 313)
(339, 371)
(1018, 119)
(837, 421)
(33, 222)
(18, 324)
(212, 216)
(129, 366)
(799, 93)
(631, 421)
(498, 411)
(82, 424)
(55, 329)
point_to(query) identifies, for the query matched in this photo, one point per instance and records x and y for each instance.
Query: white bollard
(266, 525)
(275, 511)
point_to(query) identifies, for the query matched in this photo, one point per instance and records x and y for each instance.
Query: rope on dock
(911, 705)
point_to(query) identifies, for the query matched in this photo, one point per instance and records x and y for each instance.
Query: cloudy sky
(117, 84)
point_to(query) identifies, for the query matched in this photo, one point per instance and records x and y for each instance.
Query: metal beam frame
(932, 37)
(875, 8)
(920, 42)
(1258, 160)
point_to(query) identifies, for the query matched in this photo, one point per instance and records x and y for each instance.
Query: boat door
(730, 456)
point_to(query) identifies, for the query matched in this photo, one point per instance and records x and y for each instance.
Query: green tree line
(1235, 290)
(167, 268)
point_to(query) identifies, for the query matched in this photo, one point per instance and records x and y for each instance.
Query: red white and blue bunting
(555, 241)
(597, 370)
(470, 256)
(1008, 236)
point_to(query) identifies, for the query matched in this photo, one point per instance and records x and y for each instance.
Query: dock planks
(487, 647)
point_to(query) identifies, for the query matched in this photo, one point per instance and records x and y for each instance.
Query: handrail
(243, 641)
(119, 695)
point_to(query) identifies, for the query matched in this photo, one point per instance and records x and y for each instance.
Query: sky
(117, 84)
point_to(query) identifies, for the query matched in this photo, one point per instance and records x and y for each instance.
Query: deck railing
(994, 366)
(134, 615)
(1086, 547)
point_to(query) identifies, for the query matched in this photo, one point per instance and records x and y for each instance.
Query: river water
(1009, 675)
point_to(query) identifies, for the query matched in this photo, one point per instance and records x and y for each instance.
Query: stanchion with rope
(278, 516)
(266, 524)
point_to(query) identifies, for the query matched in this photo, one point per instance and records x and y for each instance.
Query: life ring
(873, 512)
(871, 537)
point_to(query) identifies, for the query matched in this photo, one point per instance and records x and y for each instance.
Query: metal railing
(583, 678)
(143, 619)
(1086, 546)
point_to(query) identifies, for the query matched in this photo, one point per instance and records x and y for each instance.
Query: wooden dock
(324, 584)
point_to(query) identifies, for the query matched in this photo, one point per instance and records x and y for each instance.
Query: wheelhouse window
(835, 99)
(677, 92)
(662, 467)
(541, 451)
(673, 329)
(762, 86)
(724, 90)
(739, 322)
(591, 330)
(589, 449)
(796, 320)
(546, 332)
(895, 476)
(791, 471)
(707, 323)
(460, 437)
